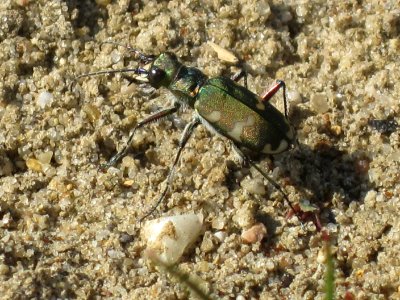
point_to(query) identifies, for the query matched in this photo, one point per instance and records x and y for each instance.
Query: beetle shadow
(325, 171)
(321, 175)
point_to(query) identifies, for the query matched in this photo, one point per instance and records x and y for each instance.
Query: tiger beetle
(250, 122)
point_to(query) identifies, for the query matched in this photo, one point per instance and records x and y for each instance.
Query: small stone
(92, 112)
(128, 89)
(336, 130)
(204, 267)
(22, 2)
(34, 165)
(220, 235)
(103, 2)
(270, 265)
(306, 206)
(44, 99)
(218, 223)
(128, 183)
(115, 254)
(322, 255)
(319, 103)
(45, 157)
(370, 199)
(244, 216)
(207, 245)
(4, 269)
(294, 97)
(255, 234)
(254, 186)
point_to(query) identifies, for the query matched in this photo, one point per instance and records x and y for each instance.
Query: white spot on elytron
(215, 116)
(208, 125)
(282, 147)
(238, 128)
(260, 106)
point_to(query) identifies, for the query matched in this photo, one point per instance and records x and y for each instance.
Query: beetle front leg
(155, 117)
(187, 132)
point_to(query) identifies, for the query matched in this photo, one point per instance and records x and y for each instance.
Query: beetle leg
(187, 132)
(239, 75)
(154, 117)
(268, 94)
(246, 159)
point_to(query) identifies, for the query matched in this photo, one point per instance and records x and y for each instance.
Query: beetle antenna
(146, 58)
(137, 71)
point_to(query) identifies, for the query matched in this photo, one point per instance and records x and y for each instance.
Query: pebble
(169, 237)
(255, 234)
(44, 99)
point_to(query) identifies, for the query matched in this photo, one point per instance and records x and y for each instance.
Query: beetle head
(163, 70)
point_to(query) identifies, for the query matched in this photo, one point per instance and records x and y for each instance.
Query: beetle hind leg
(269, 93)
(246, 159)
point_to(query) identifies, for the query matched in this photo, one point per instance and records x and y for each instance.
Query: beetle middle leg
(154, 117)
(187, 132)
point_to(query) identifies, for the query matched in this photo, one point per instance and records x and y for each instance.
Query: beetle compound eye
(156, 76)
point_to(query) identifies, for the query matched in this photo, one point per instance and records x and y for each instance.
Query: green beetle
(249, 121)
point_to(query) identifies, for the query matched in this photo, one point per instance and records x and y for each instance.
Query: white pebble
(45, 99)
(220, 235)
(322, 255)
(253, 186)
(169, 237)
(223, 54)
(294, 97)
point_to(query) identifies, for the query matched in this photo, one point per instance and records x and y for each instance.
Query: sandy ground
(70, 231)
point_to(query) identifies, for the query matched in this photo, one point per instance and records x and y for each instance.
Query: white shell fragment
(169, 237)
(223, 54)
